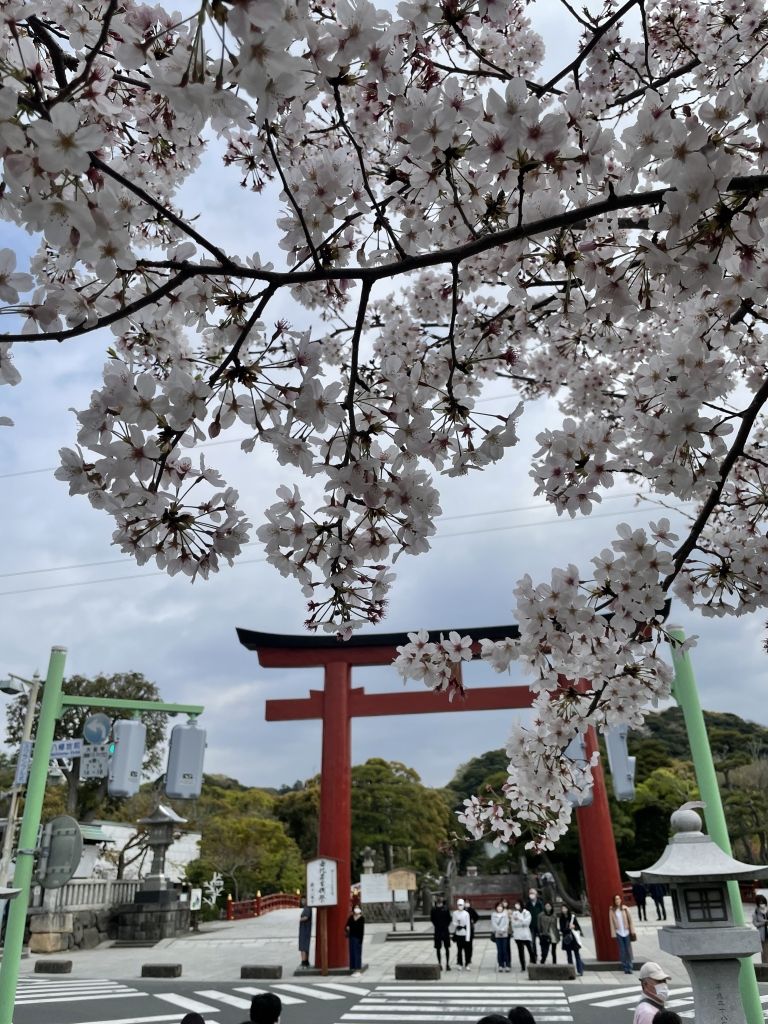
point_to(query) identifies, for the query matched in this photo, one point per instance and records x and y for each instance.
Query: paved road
(70, 1001)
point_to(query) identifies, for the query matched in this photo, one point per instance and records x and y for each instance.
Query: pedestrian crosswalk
(43, 990)
(213, 1000)
(457, 1004)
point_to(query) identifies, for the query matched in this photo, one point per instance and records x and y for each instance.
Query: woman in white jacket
(521, 933)
(500, 925)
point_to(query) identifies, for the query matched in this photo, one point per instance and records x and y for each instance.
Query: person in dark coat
(305, 932)
(441, 922)
(474, 917)
(656, 891)
(640, 895)
(355, 930)
(570, 929)
(192, 1018)
(534, 906)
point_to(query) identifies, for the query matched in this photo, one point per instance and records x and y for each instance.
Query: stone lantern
(704, 935)
(161, 826)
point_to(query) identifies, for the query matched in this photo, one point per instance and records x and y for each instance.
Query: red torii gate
(338, 703)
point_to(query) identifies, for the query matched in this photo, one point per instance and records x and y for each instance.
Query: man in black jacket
(474, 917)
(441, 920)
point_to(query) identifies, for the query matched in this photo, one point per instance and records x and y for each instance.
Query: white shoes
(355, 974)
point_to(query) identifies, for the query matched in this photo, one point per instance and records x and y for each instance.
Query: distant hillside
(734, 740)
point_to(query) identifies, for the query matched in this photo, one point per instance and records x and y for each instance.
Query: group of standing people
(532, 925)
(458, 927)
(640, 894)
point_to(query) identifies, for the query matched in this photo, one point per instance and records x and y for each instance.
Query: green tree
(254, 854)
(391, 809)
(88, 799)
(299, 811)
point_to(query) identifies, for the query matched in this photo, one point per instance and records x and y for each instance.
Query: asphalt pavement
(105, 986)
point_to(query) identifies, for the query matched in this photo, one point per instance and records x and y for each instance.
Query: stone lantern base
(141, 922)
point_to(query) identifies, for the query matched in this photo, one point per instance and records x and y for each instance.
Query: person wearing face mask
(534, 906)
(653, 981)
(549, 933)
(355, 929)
(521, 933)
(460, 925)
(500, 925)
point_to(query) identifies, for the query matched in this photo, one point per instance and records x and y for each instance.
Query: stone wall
(80, 929)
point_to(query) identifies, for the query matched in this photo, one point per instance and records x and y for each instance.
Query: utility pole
(16, 790)
(30, 822)
(687, 696)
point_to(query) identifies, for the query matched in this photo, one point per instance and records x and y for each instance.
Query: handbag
(569, 941)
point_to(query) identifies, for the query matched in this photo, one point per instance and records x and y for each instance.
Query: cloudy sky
(61, 581)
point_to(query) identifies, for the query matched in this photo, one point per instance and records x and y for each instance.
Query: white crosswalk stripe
(608, 998)
(185, 1003)
(456, 1004)
(286, 1000)
(34, 991)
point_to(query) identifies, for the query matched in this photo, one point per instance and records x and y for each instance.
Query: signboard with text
(402, 878)
(321, 882)
(375, 889)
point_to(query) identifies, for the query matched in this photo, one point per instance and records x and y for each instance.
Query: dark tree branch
(749, 416)
(93, 53)
(164, 212)
(750, 184)
(110, 318)
(597, 35)
(291, 198)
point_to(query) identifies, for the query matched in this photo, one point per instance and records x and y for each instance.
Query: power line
(464, 515)
(213, 444)
(253, 561)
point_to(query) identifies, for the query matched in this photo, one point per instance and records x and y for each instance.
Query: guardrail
(90, 894)
(239, 909)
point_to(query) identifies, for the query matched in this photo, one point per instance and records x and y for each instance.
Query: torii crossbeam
(338, 703)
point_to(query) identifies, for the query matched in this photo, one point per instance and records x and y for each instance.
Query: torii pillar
(338, 703)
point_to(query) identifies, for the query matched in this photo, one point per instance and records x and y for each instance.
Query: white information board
(401, 895)
(195, 899)
(375, 889)
(321, 883)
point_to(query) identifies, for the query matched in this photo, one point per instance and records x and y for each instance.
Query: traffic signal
(125, 764)
(184, 775)
(619, 761)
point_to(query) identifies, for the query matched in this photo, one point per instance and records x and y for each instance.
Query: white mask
(662, 991)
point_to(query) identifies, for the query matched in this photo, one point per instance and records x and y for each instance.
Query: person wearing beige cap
(653, 981)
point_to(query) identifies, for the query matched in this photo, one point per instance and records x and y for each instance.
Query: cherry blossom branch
(597, 35)
(110, 318)
(380, 214)
(736, 450)
(164, 212)
(242, 337)
(291, 197)
(93, 53)
(655, 83)
(349, 403)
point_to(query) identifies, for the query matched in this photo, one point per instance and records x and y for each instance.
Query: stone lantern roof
(692, 856)
(163, 815)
